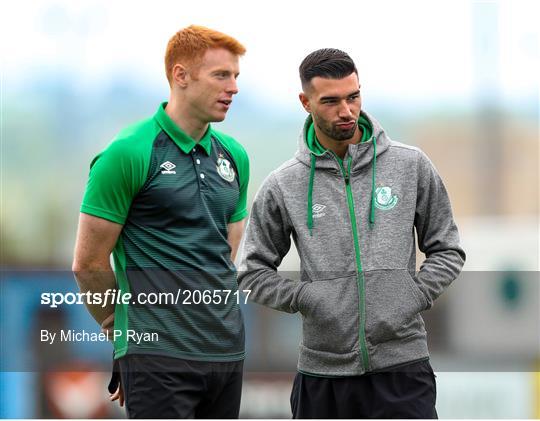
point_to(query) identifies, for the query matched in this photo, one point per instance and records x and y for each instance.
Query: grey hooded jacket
(353, 225)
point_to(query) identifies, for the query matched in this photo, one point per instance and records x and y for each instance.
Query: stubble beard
(335, 132)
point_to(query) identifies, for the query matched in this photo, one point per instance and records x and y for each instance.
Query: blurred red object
(77, 391)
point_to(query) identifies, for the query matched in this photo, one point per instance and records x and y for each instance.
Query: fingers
(107, 325)
(118, 396)
(115, 396)
(108, 321)
(121, 393)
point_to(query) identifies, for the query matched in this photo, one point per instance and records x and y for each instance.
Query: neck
(339, 147)
(180, 112)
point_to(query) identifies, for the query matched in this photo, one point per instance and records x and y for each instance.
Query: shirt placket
(202, 177)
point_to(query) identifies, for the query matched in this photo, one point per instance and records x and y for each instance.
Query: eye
(354, 97)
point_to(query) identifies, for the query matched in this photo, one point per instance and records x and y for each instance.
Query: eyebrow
(225, 71)
(326, 98)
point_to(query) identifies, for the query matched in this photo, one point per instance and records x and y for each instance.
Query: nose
(232, 86)
(344, 111)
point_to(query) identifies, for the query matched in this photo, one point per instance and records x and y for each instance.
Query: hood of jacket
(361, 153)
(357, 157)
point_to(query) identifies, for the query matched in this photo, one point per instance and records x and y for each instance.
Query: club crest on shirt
(384, 199)
(224, 169)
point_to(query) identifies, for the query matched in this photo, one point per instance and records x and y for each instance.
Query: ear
(305, 101)
(180, 75)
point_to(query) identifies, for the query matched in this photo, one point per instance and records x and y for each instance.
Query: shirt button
(198, 161)
(202, 175)
(193, 150)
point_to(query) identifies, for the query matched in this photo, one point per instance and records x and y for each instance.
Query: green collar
(185, 142)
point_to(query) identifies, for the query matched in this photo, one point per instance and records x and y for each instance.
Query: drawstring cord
(373, 172)
(312, 178)
(310, 195)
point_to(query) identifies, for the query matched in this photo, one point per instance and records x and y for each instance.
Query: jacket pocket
(329, 311)
(393, 304)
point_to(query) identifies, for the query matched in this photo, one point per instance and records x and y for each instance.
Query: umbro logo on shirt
(318, 210)
(167, 168)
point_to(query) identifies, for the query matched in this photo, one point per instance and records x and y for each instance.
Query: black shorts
(407, 391)
(164, 387)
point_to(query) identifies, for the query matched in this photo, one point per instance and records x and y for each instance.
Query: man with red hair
(167, 197)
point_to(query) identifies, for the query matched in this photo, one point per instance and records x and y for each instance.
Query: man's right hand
(118, 395)
(107, 326)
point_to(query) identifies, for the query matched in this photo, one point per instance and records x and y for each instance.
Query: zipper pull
(346, 178)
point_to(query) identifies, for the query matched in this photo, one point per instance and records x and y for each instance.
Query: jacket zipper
(359, 271)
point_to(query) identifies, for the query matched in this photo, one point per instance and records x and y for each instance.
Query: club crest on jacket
(384, 199)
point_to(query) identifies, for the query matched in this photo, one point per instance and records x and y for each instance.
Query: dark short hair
(329, 63)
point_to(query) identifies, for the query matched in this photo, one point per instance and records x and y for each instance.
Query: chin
(218, 118)
(342, 137)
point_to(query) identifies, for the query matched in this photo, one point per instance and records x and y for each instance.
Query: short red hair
(188, 46)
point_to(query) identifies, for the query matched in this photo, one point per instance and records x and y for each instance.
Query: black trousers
(164, 387)
(407, 391)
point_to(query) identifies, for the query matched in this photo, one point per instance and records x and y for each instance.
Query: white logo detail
(384, 199)
(167, 168)
(318, 210)
(225, 169)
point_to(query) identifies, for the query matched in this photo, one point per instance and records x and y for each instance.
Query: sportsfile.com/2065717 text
(112, 296)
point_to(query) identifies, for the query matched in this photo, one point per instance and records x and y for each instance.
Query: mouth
(346, 126)
(225, 102)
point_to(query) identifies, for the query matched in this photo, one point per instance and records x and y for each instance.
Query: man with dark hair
(167, 198)
(351, 199)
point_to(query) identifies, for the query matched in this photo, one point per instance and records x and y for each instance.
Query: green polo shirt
(174, 197)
